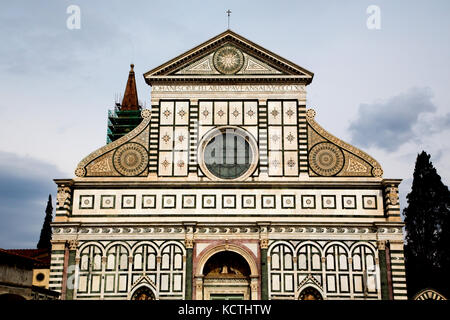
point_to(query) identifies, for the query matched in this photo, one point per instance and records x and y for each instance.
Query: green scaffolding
(120, 122)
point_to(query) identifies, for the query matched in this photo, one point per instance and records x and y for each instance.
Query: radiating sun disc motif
(228, 60)
(131, 159)
(326, 159)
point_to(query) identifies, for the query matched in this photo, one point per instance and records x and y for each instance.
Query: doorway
(226, 277)
(310, 293)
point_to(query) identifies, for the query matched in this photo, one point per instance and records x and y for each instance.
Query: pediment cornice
(283, 69)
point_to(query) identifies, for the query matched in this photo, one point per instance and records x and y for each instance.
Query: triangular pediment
(249, 65)
(228, 55)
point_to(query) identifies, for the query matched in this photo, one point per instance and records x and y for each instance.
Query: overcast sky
(386, 90)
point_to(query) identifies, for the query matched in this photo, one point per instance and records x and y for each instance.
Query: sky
(384, 90)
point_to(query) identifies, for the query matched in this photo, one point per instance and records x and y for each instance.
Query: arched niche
(226, 269)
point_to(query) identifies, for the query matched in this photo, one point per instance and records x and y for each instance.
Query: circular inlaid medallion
(228, 59)
(145, 113)
(80, 172)
(130, 159)
(377, 172)
(326, 159)
(311, 113)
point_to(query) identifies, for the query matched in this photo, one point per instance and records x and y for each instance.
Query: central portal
(226, 277)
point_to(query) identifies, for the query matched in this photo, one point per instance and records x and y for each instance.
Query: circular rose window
(228, 153)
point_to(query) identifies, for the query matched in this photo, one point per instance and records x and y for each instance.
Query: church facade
(227, 189)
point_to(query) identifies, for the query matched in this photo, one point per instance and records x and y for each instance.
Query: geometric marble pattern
(369, 202)
(87, 202)
(349, 202)
(268, 201)
(308, 201)
(329, 202)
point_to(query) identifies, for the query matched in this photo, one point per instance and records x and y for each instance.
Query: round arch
(116, 243)
(172, 242)
(336, 243)
(311, 290)
(308, 242)
(90, 243)
(429, 294)
(369, 245)
(227, 247)
(139, 244)
(280, 242)
(310, 283)
(253, 285)
(143, 287)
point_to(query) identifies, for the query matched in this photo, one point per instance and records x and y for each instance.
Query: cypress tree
(46, 231)
(427, 230)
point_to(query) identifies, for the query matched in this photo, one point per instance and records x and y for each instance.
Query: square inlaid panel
(268, 201)
(107, 202)
(87, 202)
(288, 201)
(189, 201)
(308, 201)
(249, 201)
(329, 202)
(169, 201)
(208, 201)
(349, 202)
(229, 201)
(128, 201)
(369, 202)
(148, 201)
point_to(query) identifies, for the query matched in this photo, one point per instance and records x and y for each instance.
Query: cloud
(391, 123)
(431, 124)
(40, 42)
(25, 184)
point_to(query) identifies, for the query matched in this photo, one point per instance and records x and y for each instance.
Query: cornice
(130, 183)
(206, 47)
(226, 79)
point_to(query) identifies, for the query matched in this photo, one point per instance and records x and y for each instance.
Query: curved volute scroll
(330, 156)
(126, 156)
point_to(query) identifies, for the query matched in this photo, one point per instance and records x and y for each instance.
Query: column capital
(189, 243)
(381, 244)
(264, 243)
(73, 244)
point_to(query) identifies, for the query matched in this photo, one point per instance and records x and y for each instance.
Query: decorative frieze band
(228, 88)
(200, 230)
